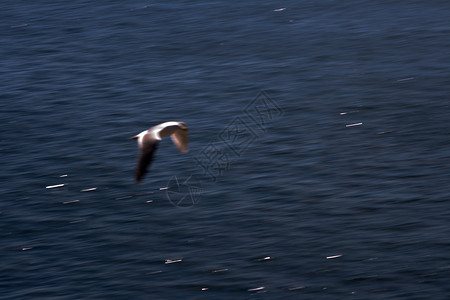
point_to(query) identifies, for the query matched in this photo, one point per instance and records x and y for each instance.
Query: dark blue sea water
(319, 159)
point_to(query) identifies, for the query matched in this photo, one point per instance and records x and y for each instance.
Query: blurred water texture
(342, 195)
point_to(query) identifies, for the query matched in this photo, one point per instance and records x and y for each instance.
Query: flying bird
(148, 141)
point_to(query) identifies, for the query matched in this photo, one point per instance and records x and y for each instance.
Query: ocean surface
(319, 160)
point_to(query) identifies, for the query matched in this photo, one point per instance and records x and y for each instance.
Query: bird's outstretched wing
(181, 139)
(146, 151)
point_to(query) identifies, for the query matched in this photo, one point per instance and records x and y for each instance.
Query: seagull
(148, 141)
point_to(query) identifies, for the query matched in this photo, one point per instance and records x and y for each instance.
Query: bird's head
(182, 126)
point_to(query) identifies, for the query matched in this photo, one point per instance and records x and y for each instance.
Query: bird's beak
(134, 137)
